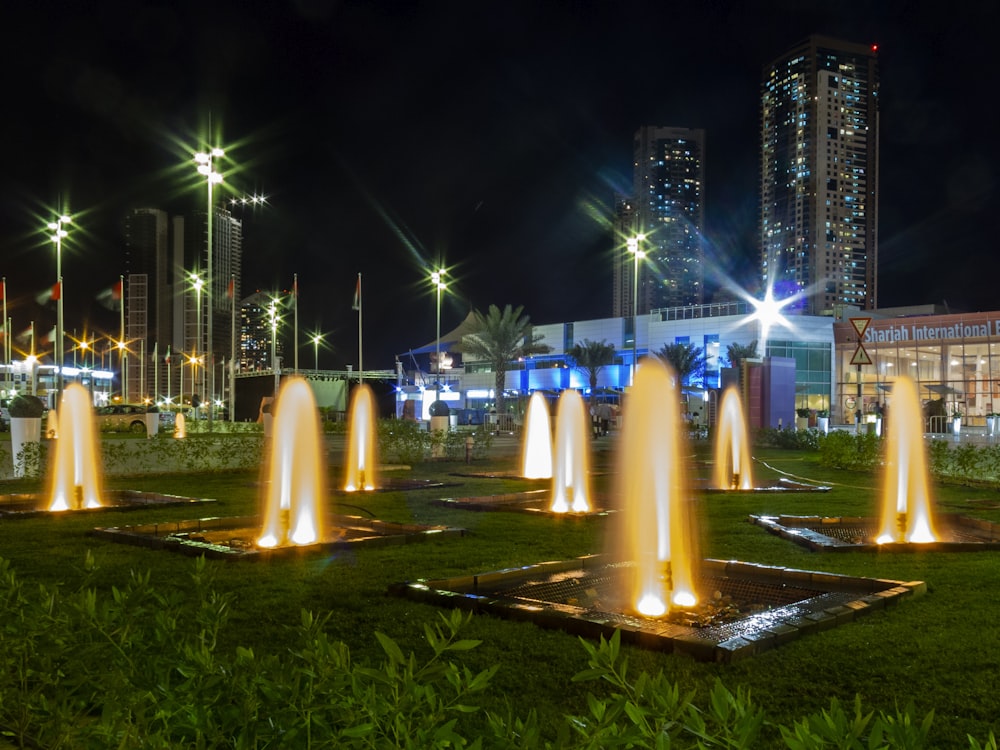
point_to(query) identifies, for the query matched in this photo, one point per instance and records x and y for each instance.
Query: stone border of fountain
(529, 501)
(839, 599)
(968, 534)
(25, 505)
(781, 486)
(183, 536)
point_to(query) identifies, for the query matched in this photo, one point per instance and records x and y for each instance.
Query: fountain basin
(26, 505)
(779, 485)
(234, 537)
(959, 533)
(763, 606)
(530, 501)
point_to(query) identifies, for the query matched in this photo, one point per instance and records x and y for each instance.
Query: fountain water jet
(658, 535)
(570, 483)
(906, 507)
(75, 482)
(295, 484)
(536, 452)
(180, 425)
(361, 441)
(732, 445)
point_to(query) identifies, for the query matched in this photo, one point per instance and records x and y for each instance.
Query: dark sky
(489, 137)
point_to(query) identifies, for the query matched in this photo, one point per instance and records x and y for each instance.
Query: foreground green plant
(140, 666)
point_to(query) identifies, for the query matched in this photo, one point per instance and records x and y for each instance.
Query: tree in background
(687, 360)
(591, 357)
(500, 337)
(737, 353)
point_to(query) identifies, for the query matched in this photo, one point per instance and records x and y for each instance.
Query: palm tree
(687, 360)
(500, 337)
(591, 357)
(737, 353)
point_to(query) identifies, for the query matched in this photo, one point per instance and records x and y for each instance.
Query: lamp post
(204, 160)
(197, 282)
(273, 314)
(58, 233)
(316, 339)
(633, 247)
(123, 364)
(439, 285)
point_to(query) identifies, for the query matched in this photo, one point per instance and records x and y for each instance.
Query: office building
(819, 175)
(667, 209)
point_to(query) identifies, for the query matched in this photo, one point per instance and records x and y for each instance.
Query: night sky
(486, 137)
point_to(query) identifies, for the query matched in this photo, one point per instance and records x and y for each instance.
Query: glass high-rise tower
(819, 175)
(668, 209)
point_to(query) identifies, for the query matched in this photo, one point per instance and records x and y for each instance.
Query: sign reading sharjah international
(860, 355)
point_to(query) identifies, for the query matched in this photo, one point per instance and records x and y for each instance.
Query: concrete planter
(823, 423)
(956, 425)
(25, 445)
(152, 424)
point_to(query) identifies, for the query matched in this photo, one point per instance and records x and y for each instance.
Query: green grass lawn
(942, 650)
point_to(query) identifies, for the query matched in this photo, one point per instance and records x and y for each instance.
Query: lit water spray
(361, 441)
(732, 445)
(658, 527)
(570, 480)
(75, 477)
(295, 483)
(536, 450)
(906, 506)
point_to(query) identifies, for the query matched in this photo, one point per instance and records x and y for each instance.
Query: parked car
(121, 418)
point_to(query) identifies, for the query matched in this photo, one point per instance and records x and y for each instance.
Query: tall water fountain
(295, 484)
(906, 507)
(75, 480)
(536, 449)
(362, 441)
(732, 445)
(658, 526)
(570, 474)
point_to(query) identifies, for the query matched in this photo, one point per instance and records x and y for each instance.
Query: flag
(295, 286)
(50, 294)
(25, 335)
(166, 359)
(231, 289)
(3, 290)
(50, 337)
(356, 305)
(111, 298)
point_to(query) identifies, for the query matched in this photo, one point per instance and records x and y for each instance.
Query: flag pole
(232, 348)
(6, 338)
(121, 341)
(156, 372)
(361, 366)
(295, 321)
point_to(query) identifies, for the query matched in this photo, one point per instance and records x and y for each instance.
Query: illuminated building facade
(819, 175)
(668, 209)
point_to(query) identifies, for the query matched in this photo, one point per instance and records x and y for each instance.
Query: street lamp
(122, 362)
(58, 233)
(440, 286)
(197, 282)
(273, 315)
(204, 160)
(316, 339)
(633, 247)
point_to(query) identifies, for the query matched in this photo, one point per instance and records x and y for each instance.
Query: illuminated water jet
(657, 529)
(536, 450)
(906, 507)
(295, 485)
(361, 441)
(732, 445)
(180, 426)
(75, 478)
(570, 474)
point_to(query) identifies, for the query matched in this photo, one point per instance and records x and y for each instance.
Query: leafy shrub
(788, 437)
(846, 450)
(26, 407)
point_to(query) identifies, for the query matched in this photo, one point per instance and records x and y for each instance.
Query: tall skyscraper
(162, 254)
(819, 174)
(668, 208)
